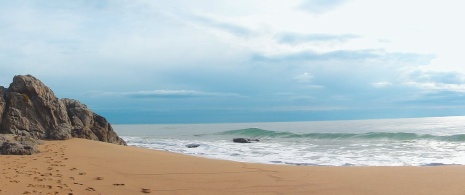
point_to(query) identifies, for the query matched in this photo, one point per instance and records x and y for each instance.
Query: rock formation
(192, 145)
(29, 108)
(244, 140)
(86, 124)
(18, 145)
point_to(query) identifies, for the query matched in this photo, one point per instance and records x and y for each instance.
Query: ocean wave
(400, 136)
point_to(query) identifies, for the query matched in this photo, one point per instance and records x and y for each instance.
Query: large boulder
(31, 109)
(18, 145)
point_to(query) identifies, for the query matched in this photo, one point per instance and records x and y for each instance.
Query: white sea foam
(400, 142)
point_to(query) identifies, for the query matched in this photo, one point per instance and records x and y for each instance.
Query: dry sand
(79, 166)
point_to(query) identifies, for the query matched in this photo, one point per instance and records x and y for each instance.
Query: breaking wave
(398, 136)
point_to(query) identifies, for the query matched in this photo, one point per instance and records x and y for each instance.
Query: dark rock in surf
(30, 109)
(244, 140)
(192, 145)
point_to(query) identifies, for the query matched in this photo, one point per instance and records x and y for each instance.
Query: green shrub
(26, 97)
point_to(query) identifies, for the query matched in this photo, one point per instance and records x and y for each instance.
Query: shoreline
(299, 164)
(80, 166)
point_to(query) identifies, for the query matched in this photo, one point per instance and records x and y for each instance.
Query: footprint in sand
(82, 173)
(46, 174)
(99, 178)
(118, 184)
(146, 190)
(90, 189)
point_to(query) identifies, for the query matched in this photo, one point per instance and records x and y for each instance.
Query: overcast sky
(199, 61)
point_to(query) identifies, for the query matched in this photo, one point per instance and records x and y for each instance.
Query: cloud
(434, 86)
(304, 78)
(436, 80)
(440, 99)
(325, 53)
(382, 84)
(314, 56)
(437, 76)
(294, 38)
(348, 55)
(215, 24)
(302, 108)
(174, 94)
(320, 6)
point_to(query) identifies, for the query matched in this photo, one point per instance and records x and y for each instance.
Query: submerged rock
(192, 145)
(245, 140)
(30, 109)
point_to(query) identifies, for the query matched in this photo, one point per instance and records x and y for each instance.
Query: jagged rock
(18, 145)
(86, 124)
(2, 102)
(31, 109)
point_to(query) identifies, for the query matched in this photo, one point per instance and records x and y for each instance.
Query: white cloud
(433, 80)
(320, 6)
(434, 86)
(382, 84)
(175, 94)
(244, 47)
(304, 78)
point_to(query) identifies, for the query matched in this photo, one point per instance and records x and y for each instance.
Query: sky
(206, 61)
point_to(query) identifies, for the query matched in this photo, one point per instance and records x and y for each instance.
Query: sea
(386, 142)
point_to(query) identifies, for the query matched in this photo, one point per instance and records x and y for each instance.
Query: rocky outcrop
(33, 110)
(29, 108)
(86, 124)
(2, 102)
(18, 145)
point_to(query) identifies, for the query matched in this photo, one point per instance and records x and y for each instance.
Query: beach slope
(79, 166)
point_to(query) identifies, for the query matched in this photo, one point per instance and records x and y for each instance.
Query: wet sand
(80, 166)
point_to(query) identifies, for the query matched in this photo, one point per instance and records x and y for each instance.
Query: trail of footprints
(50, 178)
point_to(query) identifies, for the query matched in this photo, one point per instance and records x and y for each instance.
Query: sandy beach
(80, 166)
